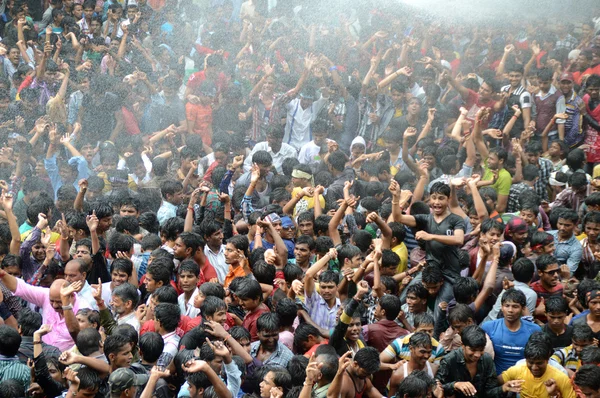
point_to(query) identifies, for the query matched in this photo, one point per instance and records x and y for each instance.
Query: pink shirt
(40, 296)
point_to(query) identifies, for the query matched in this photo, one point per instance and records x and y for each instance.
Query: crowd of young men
(296, 199)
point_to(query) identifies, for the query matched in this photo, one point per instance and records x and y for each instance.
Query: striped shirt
(567, 357)
(399, 349)
(320, 312)
(11, 368)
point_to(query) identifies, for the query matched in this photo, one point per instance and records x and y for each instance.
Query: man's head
(513, 303)
(88, 341)
(214, 309)
(124, 299)
(515, 74)
(76, 271)
(439, 196)
(366, 362)
(587, 379)
(89, 382)
(432, 279)
(305, 337)
(328, 281)
(420, 348)
(186, 245)
(473, 341)
(172, 192)
(151, 346)
(593, 86)
(548, 270)
(264, 161)
(423, 322)
(460, 317)
(537, 354)
(497, 158)
(29, 322)
(566, 223)
(10, 340)
(189, 274)
(158, 274)
(583, 336)
(267, 327)
(236, 249)
(166, 317)
(117, 349)
(124, 383)
(274, 138)
(416, 298)
(120, 271)
(249, 292)
(556, 312)
(542, 243)
(388, 307)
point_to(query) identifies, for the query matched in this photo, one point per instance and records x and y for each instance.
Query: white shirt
(217, 260)
(188, 308)
(286, 151)
(130, 319)
(85, 298)
(297, 126)
(309, 153)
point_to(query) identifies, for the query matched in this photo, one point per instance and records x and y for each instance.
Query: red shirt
(195, 81)
(182, 328)
(208, 270)
(250, 321)
(474, 103)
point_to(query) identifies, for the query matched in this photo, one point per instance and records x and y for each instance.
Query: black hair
(88, 378)
(287, 311)
(392, 306)
(432, 274)
(160, 269)
(171, 229)
(556, 305)
(123, 265)
(545, 260)
(128, 224)
(473, 337)
(538, 349)
(362, 239)
(590, 355)
(263, 272)
(465, 289)
(292, 272)
(297, 369)
(114, 343)
(211, 305)
(29, 321)
(151, 346)
(588, 376)
(413, 386)
(189, 266)
(127, 292)
(249, 289)
(582, 332)
(418, 290)
(460, 313)
(240, 243)
(367, 359)
(119, 242)
(165, 294)
(423, 319)
(515, 296)
(212, 289)
(239, 333)
(268, 322)
(88, 341)
(389, 259)
(337, 160)
(93, 316)
(329, 276)
(347, 251)
(321, 225)
(440, 188)
(420, 339)
(262, 158)
(523, 270)
(301, 334)
(168, 315)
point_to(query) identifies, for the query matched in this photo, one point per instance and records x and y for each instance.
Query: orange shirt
(200, 117)
(234, 273)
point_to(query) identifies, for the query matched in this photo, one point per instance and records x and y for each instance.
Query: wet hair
(168, 315)
(239, 333)
(29, 321)
(151, 346)
(160, 269)
(297, 369)
(119, 242)
(262, 158)
(212, 289)
(301, 334)
(588, 376)
(432, 274)
(263, 272)
(413, 386)
(362, 239)
(461, 313)
(287, 311)
(172, 228)
(423, 319)
(165, 294)
(523, 270)
(329, 276)
(347, 251)
(92, 316)
(538, 349)
(88, 379)
(473, 337)
(268, 322)
(556, 305)
(582, 333)
(189, 266)
(514, 296)
(590, 355)
(211, 305)
(249, 289)
(367, 358)
(292, 272)
(465, 289)
(114, 343)
(418, 290)
(420, 339)
(440, 188)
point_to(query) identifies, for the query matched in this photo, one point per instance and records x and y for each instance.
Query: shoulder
(530, 326)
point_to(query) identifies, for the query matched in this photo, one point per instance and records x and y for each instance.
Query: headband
(302, 174)
(591, 295)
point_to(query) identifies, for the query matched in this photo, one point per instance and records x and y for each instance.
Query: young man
(322, 305)
(275, 147)
(251, 297)
(355, 381)
(535, 378)
(510, 334)
(568, 249)
(268, 349)
(158, 274)
(443, 233)
(381, 333)
(189, 275)
(560, 334)
(459, 318)
(303, 252)
(587, 379)
(420, 352)
(236, 255)
(313, 152)
(416, 303)
(516, 94)
(549, 283)
(533, 152)
(548, 102)
(569, 357)
(469, 371)
(12, 368)
(120, 272)
(172, 195)
(166, 320)
(117, 349)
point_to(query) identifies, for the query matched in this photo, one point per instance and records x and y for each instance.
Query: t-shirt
(442, 255)
(502, 184)
(509, 347)
(535, 386)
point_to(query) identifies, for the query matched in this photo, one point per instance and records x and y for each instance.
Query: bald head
(54, 294)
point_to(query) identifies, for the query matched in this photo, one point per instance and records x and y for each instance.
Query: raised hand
(224, 198)
(193, 366)
(97, 290)
(7, 201)
(255, 173)
(92, 221)
(405, 196)
(218, 348)
(67, 358)
(65, 139)
(394, 188)
(68, 290)
(44, 330)
(42, 221)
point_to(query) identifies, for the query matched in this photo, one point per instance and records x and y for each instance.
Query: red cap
(566, 76)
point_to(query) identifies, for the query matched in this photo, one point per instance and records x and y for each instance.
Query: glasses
(552, 271)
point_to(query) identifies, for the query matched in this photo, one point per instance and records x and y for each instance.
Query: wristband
(4, 311)
(67, 307)
(331, 69)
(37, 342)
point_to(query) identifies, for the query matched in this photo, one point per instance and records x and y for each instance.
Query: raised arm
(92, 223)
(462, 90)
(490, 279)
(67, 297)
(386, 231)
(478, 136)
(7, 204)
(280, 246)
(312, 272)
(194, 366)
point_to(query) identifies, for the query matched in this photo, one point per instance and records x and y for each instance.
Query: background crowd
(297, 199)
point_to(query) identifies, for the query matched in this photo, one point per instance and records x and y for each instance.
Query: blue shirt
(509, 347)
(167, 210)
(567, 251)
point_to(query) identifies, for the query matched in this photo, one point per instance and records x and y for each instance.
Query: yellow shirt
(402, 252)
(596, 171)
(310, 202)
(534, 387)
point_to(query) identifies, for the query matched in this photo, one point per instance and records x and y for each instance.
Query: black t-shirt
(439, 254)
(559, 342)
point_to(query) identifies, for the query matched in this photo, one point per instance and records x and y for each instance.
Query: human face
(249, 304)
(84, 322)
(187, 281)
(268, 339)
(537, 366)
(556, 320)
(13, 270)
(72, 272)
(420, 355)
(266, 385)
(88, 12)
(245, 343)
(353, 332)
(269, 84)
(118, 305)
(357, 151)
(88, 392)
(397, 97)
(578, 346)
(472, 355)
(306, 228)
(438, 203)
(528, 216)
(176, 198)
(425, 329)
(274, 142)
(555, 149)
(566, 87)
(199, 299)
(594, 306)
(594, 92)
(14, 56)
(433, 288)
(39, 252)
(533, 158)
(118, 277)
(565, 228)
(493, 161)
(220, 316)
(493, 236)
(216, 239)
(151, 284)
(232, 254)
(302, 253)
(288, 232)
(460, 326)
(77, 12)
(589, 392)
(83, 253)
(415, 304)
(485, 92)
(122, 359)
(104, 224)
(515, 79)
(512, 311)
(328, 290)
(320, 138)
(55, 373)
(180, 250)
(592, 230)
(545, 85)
(128, 211)
(414, 107)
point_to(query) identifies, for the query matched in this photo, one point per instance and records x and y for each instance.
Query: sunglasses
(552, 271)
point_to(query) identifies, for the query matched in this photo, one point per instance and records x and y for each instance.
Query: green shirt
(502, 184)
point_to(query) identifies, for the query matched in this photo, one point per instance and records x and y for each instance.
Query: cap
(286, 222)
(124, 378)
(566, 76)
(273, 218)
(132, 3)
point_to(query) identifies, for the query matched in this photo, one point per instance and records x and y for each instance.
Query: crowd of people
(296, 199)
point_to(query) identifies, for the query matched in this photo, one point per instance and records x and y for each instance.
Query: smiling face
(119, 306)
(123, 358)
(420, 355)
(353, 332)
(528, 216)
(537, 367)
(515, 79)
(472, 355)
(118, 277)
(438, 203)
(38, 251)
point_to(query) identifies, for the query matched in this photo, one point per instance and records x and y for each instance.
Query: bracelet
(67, 307)
(37, 342)
(227, 337)
(395, 203)
(67, 238)
(190, 207)
(515, 116)
(309, 384)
